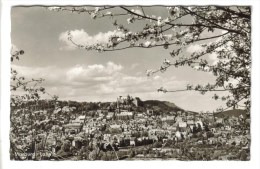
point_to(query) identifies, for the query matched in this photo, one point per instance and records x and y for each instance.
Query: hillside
(161, 106)
(236, 113)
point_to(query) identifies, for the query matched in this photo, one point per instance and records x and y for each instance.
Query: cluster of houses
(128, 129)
(125, 130)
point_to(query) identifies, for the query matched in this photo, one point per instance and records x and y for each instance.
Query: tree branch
(211, 22)
(168, 23)
(242, 15)
(204, 90)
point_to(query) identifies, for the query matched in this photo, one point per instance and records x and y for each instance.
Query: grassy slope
(236, 113)
(164, 106)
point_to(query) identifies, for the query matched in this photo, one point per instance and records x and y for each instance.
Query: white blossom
(108, 13)
(166, 20)
(166, 61)
(130, 20)
(147, 44)
(54, 8)
(97, 9)
(93, 15)
(168, 36)
(149, 72)
(153, 43)
(160, 22)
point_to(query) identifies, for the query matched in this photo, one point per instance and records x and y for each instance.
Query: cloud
(98, 82)
(82, 37)
(194, 48)
(156, 77)
(96, 72)
(212, 57)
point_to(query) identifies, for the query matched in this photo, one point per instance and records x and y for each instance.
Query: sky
(80, 75)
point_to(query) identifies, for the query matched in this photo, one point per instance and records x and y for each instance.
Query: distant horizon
(61, 100)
